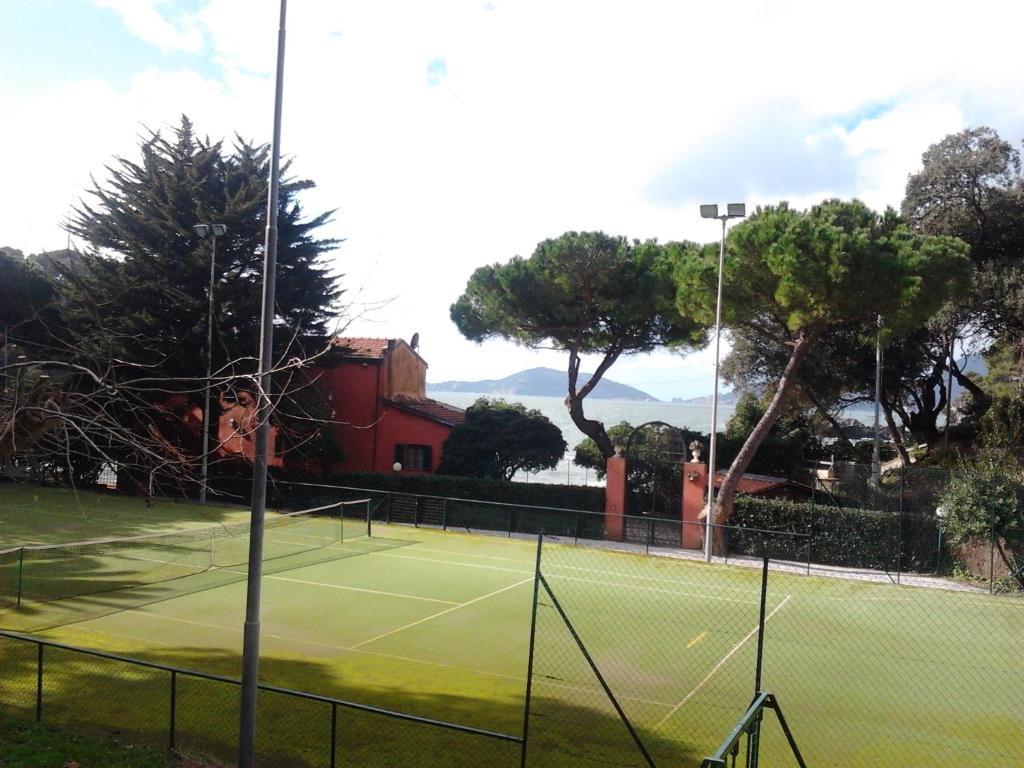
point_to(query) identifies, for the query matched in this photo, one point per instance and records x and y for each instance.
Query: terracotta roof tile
(429, 409)
(362, 347)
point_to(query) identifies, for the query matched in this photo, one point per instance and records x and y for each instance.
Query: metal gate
(655, 452)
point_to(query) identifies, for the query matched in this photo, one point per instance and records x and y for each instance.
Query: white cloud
(550, 116)
(146, 20)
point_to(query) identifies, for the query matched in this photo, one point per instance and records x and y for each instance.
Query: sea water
(694, 416)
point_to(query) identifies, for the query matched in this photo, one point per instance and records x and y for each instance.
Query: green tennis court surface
(438, 625)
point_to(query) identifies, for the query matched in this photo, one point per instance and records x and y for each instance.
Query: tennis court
(437, 624)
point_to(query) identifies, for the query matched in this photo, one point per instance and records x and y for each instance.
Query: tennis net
(58, 572)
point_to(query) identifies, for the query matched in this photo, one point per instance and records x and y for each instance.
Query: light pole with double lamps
(732, 211)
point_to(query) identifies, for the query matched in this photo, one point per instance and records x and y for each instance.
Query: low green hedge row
(291, 487)
(856, 538)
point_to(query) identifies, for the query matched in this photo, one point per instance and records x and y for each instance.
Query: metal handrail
(468, 729)
(749, 725)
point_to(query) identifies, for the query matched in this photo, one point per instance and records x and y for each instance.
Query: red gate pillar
(615, 498)
(695, 485)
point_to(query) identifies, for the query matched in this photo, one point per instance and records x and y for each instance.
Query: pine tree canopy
(144, 292)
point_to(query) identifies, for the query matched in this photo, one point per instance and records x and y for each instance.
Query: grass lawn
(27, 745)
(437, 624)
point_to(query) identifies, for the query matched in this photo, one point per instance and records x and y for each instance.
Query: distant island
(542, 382)
(723, 397)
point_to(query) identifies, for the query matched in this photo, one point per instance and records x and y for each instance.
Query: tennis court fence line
(157, 704)
(901, 547)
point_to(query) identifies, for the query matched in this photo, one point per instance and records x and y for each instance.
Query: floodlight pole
(251, 632)
(734, 211)
(214, 230)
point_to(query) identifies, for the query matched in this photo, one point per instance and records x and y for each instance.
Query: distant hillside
(723, 397)
(542, 382)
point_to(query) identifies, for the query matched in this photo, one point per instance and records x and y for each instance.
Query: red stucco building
(377, 388)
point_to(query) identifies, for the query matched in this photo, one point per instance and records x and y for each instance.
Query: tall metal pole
(209, 371)
(710, 519)
(251, 632)
(876, 463)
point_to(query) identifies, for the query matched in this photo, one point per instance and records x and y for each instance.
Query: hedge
(829, 535)
(287, 486)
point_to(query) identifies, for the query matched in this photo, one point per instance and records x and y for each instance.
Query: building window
(413, 457)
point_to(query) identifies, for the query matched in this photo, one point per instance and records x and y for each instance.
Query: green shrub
(841, 536)
(582, 497)
(983, 500)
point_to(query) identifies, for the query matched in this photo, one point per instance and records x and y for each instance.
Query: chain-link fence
(194, 713)
(635, 660)
(894, 531)
(653, 662)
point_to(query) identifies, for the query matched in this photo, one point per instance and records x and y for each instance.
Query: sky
(449, 135)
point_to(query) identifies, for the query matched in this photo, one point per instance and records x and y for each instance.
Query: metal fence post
(529, 663)
(810, 537)
(992, 554)
(760, 627)
(21, 570)
(334, 734)
(899, 528)
(174, 709)
(39, 684)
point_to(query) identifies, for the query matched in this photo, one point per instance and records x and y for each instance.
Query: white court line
(360, 589)
(407, 659)
(470, 554)
(552, 566)
(617, 585)
(436, 561)
(442, 613)
(718, 666)
(648, 578)
(303, 641)
(654, 589)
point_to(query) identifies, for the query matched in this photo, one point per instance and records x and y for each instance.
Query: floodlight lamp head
(709, 211)
(201, 230)
(219, 230)
(736, 210)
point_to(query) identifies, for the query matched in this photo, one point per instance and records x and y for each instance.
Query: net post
(369, 520)
(529, 663)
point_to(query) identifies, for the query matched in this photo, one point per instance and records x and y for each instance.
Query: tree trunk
(574, 400)
(981, 398)
(897, 437)
(823, 412)
(805, 339)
